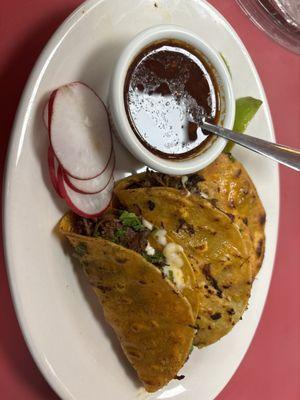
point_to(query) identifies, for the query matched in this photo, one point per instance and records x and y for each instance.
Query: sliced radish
(79, 131)
(47, 107)
(94, 185)
(45, 115)
(85, 205)
(53, 166)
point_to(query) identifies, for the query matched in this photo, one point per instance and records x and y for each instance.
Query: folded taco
(146, 287)
(228, 186)
(220, 251)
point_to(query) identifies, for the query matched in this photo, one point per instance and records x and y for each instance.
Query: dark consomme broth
(167, 86)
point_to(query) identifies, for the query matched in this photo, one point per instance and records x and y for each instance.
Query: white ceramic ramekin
(117, 109)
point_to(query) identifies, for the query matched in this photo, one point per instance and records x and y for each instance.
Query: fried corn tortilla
(214, 245)
(153, 320)
(227, 184)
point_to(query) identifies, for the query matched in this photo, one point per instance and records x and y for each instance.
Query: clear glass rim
(262, 14)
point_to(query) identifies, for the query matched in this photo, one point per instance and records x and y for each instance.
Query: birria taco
(228, 186)
(146, 287)
(220, 250)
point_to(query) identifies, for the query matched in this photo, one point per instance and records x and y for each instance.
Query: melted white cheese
(150, 250)
(174, 258)
(175, 275)
(147, 224)
(178, 278)
(160, 236)
(173, 253)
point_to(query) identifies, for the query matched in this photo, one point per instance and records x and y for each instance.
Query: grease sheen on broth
(167, 85)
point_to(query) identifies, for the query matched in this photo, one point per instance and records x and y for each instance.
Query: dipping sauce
(167, 87)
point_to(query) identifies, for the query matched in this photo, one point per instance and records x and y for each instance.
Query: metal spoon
(278, 152)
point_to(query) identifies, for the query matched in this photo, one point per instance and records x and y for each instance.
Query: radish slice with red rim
(79, 131)
(94, 185)
(45, 115)
(52, 166)
(86, 205)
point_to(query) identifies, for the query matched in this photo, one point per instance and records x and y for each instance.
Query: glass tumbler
(280, 19)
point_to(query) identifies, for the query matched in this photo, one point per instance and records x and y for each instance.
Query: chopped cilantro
(157, 259)
(191, 349)
(119, 233)
(171, 275)
(80, 249)
(131, 220)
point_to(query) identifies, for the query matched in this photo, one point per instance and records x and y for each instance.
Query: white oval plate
(60, 318)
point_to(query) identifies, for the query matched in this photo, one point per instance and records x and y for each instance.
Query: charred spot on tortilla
(262, 219)
(245, 220)
(216, 316)
(183, 225)
(238, 173)
(231, 311)
(211, 280)
(151, 205)
(104, 289)
(179, 377)
(121, 260)
(231, 216)
(226, 286)
(214, 202)
(259, 248)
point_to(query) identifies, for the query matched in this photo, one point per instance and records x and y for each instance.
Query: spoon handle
(282, 154)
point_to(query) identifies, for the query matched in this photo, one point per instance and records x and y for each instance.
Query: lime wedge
(246, 108)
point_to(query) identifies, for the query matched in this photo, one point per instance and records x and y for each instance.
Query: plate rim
(13, 152)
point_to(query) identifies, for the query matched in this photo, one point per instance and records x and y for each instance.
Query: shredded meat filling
(110, 227)
(155, 179)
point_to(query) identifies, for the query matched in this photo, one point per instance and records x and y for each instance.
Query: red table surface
(271, 368)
